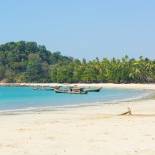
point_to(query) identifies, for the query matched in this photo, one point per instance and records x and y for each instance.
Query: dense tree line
(28, 62)
(123, 70)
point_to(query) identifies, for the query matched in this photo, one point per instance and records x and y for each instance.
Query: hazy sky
(82, 28)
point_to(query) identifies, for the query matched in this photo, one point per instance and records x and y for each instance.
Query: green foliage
(123, 70)
(28, 62)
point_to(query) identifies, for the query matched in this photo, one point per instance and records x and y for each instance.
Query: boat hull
(70, 92)
(93, 89)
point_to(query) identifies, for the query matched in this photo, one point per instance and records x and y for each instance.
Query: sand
(104, 85)
(91, 130)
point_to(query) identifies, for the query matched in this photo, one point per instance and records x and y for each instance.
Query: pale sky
(82, 28)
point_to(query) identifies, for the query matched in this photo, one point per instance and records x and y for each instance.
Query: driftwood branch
(128, 112)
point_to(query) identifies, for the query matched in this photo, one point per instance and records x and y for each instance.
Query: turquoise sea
(12, 98)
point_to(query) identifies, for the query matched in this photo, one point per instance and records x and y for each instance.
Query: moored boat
(70, 92)
(93, 89)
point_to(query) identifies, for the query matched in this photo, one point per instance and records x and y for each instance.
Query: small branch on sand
(128, 112)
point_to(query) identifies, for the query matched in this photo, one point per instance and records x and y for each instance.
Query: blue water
(12, 98)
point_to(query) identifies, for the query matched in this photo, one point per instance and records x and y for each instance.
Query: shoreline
(88, 130)
(148, 94)
(104, 85)
(85, 130)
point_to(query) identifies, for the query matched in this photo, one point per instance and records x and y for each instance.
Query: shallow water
(12, 98)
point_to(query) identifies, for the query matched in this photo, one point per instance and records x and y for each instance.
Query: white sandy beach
(104, 85)
(92, 130)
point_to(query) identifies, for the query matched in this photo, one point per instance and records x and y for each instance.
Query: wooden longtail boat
(71, 90)
(95, 89)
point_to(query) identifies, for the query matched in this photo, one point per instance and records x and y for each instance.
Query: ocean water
(12, 98)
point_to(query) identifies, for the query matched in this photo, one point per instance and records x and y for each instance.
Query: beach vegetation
(29, 62)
